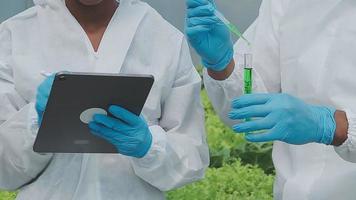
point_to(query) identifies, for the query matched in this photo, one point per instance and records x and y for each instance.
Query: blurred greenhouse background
(238, 170)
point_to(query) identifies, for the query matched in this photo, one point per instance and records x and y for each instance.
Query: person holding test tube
(303, 95)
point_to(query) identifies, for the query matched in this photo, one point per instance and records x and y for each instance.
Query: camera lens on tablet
(61, 77)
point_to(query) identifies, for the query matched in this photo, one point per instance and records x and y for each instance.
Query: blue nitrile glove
(284, 118)
(208, 35)
(43, 92)
(127, 132)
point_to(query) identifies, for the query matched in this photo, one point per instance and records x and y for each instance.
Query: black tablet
(75, 98)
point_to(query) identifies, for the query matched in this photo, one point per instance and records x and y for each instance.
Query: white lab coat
(306, 48)
(137, 41)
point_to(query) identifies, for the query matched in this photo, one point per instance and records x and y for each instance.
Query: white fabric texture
(306, 49)
(39, 2)
(137, 41)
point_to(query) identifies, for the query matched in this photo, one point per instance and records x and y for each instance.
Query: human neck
(92, 17)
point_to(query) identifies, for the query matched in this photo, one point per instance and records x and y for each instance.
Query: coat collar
(119, 36)
(63, 37)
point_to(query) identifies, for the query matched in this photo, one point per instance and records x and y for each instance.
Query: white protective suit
(137, 41)
(306, 48)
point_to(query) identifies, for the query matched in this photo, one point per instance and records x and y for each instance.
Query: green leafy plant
(234, 181)
(225, 145)
(7, 195)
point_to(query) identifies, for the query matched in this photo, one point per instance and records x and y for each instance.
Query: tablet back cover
(61, 129)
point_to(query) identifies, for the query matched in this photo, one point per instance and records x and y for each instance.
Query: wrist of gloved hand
(222, 63)
(145, 147)
(327, 126)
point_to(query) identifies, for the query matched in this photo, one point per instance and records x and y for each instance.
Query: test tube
(247, 73)
(247, 77)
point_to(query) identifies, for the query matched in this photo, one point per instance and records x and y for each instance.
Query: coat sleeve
(347, 150)
(18, 127)
(179, 153)
(263, 35)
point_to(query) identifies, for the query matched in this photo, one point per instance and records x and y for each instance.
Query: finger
(41, 102)
(196, 30)
(250, 111)
(196, 3)
(201, 11)
(250, 99)
(49, 80)
(39, 118)
(46, 86)
(262, 137)
(124, 115)
(105, 132)
(39, 108)
(43, 93)
(44, 90)
(199, 21)
(255, 125)
(109, 122)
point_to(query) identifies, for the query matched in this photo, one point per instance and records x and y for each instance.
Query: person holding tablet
(163, 149)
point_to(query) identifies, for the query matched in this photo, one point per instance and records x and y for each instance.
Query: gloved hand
(43, 92)
(285, 118)
(127, 132)
(208, 35)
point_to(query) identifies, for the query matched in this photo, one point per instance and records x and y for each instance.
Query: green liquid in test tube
(247, 75)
